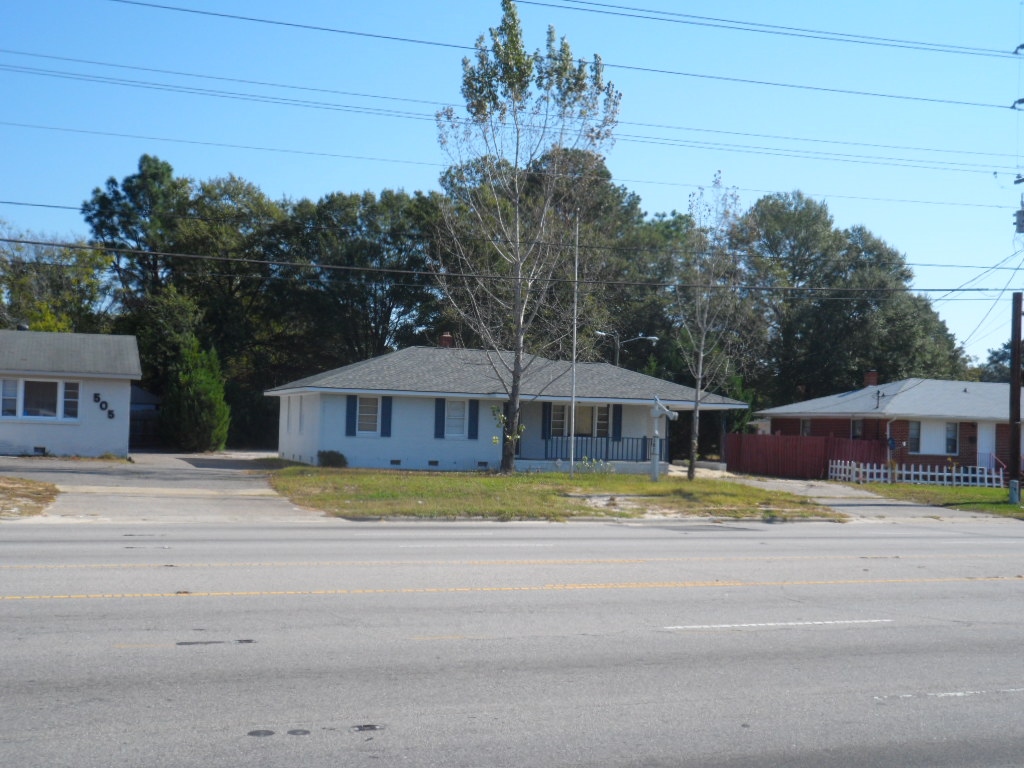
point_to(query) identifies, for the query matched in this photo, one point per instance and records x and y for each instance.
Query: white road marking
(948, 694)
(784, 624)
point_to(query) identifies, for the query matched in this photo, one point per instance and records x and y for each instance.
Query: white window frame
(956, 438)
(363, 409)
(600, 420)
(913, 440)
(9, 398)
(61, 403)
(559, 420)
(455, 422)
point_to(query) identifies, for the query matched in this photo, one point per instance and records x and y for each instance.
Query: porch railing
(602, 448)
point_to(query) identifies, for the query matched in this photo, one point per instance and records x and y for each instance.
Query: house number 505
(98, 398)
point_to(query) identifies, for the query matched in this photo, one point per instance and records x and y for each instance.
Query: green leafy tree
(359, 274)
(137, 218)
(834, 304)
(164, 325)
(51, 288)
(997, 367)
(507, 244)
(194, 415)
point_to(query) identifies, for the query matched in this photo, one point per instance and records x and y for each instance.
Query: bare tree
(509, 212)
(709, 299)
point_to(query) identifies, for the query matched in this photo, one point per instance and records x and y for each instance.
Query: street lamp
(614, 336)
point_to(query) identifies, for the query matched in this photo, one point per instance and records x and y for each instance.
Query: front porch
(627, 455)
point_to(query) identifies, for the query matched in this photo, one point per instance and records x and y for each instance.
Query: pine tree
(195, 416)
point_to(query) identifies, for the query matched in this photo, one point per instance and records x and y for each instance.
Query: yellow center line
(553, 561)
(536, 588)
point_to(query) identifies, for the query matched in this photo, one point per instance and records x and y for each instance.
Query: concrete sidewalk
(228, 486)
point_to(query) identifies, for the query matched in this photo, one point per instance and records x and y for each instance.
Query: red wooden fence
(804, 458)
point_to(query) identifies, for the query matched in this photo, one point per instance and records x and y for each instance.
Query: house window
(914, 436)
(952, 435)
(559, 426)
(857, 429)
(591, 421)
(369, 411)
(70, 400)
(39, 399)
(805, 427)
(9, 399)
(455, 418)
(584, 421)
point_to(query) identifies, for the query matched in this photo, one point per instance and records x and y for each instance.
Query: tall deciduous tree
(137, 219)
(835, 303)
(508, 233)
(360, 264)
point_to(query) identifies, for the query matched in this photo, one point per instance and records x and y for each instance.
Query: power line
(439, 104)
(934, 165)
(625, 67)
(772, 29)
(838, 293)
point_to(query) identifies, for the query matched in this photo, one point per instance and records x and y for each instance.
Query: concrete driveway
(865, 507)
(159, 487)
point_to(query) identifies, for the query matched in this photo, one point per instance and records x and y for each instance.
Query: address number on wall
(104, 406)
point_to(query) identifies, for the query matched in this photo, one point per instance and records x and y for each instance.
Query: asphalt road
(287, 639)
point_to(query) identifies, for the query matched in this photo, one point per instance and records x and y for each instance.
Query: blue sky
(920, 146)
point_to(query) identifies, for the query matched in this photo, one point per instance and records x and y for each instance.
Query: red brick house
(924, 421)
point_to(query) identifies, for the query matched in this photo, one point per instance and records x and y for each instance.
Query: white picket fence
(952, 474)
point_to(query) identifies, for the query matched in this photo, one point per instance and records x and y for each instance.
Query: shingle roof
(75, 354)
(481, 373)
(909, 399)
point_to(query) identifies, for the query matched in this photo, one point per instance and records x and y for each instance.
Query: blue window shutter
(545, 421)
(351, 414)
(617, 421)
(385, 416)
(474, 419)
(439, 418)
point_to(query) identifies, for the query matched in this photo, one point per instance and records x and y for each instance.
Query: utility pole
(1015, 383)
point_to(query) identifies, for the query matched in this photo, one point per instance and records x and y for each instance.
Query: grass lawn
(355, 493)
(20, 498)
(995, 501)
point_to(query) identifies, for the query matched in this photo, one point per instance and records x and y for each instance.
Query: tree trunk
(691, 468)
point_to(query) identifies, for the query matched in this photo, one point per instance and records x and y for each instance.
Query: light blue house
(433, 408)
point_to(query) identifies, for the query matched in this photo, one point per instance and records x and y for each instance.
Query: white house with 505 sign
(66, 394)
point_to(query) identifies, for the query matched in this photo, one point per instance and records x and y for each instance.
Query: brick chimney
(446, 340)
(871, 378)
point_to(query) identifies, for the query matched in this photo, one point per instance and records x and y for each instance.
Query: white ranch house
(66, 394)
(428, 408)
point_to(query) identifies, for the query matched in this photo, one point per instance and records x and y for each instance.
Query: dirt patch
(22, 498)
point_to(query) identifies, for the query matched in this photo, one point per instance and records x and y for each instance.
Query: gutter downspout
(888, 450)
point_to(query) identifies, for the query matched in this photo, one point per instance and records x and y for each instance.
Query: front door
(986, 445)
